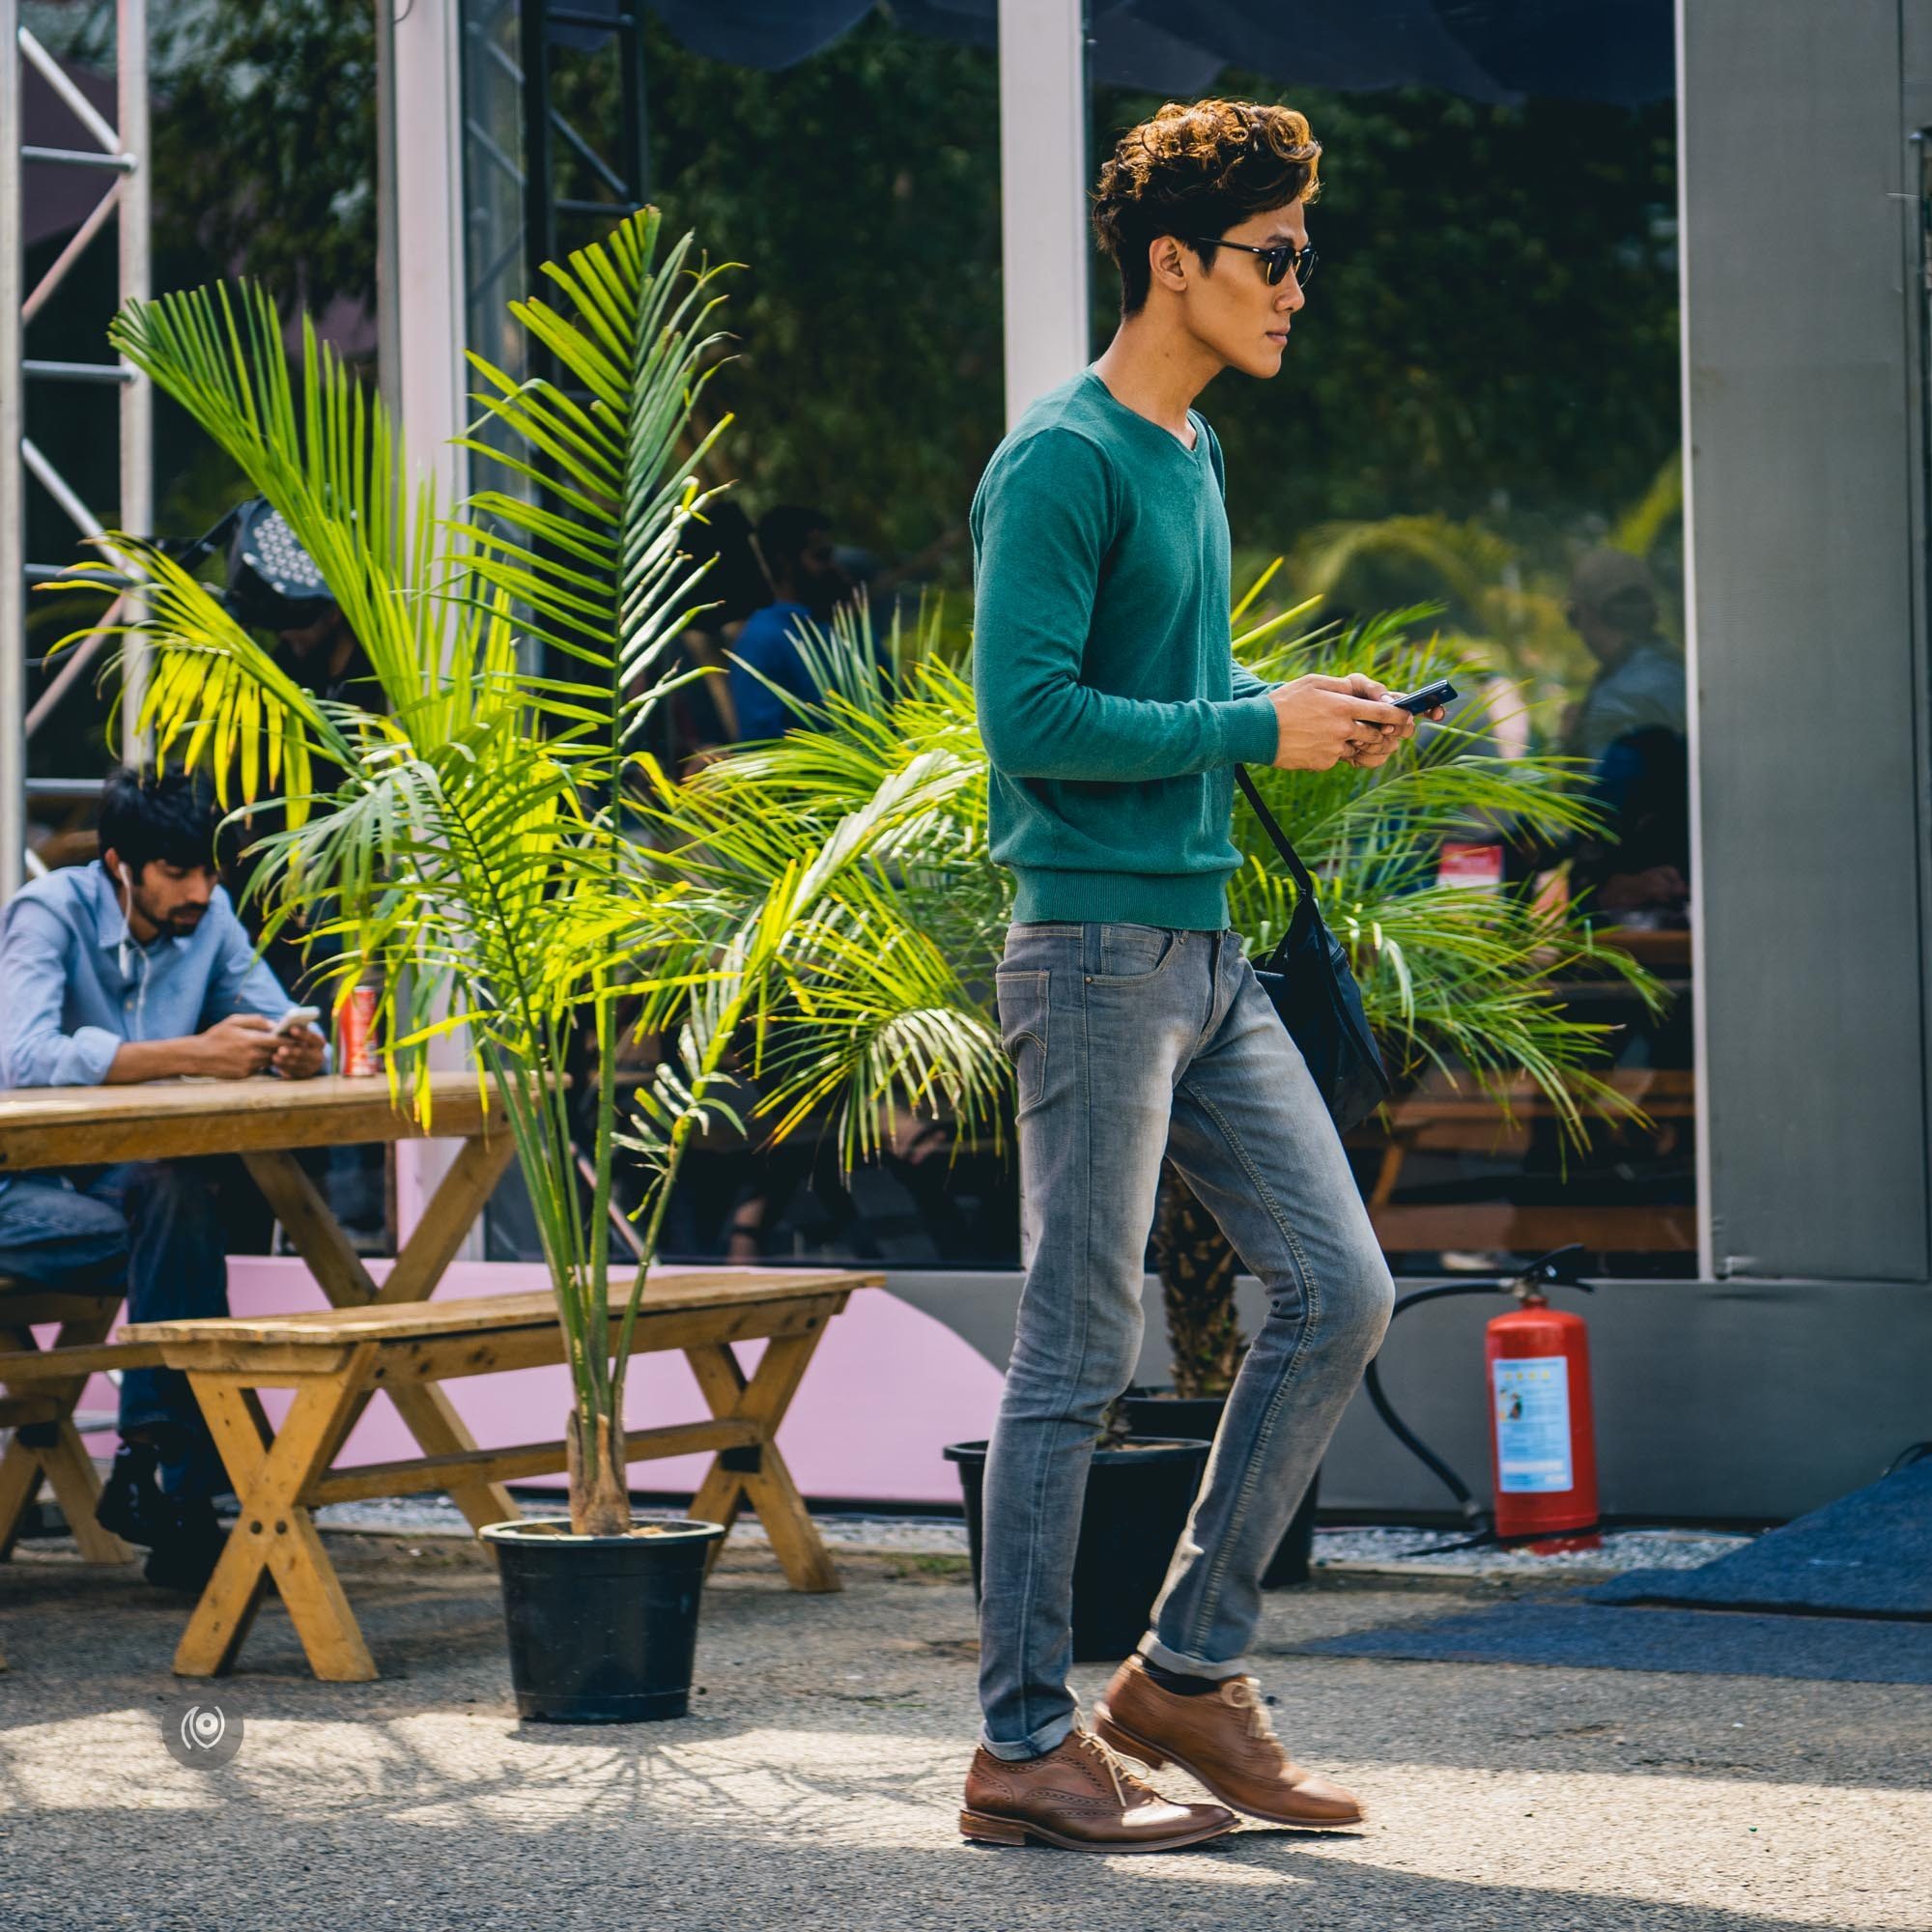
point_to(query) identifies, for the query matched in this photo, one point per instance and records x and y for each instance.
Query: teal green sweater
(1109, 700)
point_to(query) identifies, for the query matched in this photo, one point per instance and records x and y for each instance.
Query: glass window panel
(1480, 411)
(846, 157)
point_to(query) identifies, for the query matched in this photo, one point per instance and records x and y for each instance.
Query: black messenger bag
(1308, 979)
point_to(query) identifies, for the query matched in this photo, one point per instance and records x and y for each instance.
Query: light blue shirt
(75, 983)
(768, 642)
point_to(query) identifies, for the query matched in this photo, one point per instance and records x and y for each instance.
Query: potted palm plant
(481, 828)
(1450, 977)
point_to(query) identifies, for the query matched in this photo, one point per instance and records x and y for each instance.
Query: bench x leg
(19, 1485)
(64, 1464)
(757, 1474)
(318, 1238)
(276, 1538)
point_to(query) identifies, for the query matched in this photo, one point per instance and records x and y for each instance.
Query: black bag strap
(1296, 870)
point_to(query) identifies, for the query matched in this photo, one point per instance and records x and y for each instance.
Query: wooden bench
(336, 1359)
(1436, 1117)
(51, 1380)
(261, 1121)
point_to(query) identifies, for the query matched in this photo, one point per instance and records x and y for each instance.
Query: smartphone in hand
(1441, 692)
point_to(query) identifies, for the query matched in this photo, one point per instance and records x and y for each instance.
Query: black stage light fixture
(273, 584)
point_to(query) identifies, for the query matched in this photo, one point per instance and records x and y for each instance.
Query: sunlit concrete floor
(816, 1785)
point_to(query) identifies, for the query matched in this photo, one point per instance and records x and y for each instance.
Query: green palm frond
(323, 452)
(592, 554)
(894, 779)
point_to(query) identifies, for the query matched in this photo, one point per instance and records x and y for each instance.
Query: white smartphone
(298, 1016)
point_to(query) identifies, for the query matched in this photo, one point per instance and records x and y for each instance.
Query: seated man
(135, 968)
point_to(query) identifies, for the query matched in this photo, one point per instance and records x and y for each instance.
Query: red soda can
(355, 1033)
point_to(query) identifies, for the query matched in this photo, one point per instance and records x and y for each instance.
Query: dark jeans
(155, 1230)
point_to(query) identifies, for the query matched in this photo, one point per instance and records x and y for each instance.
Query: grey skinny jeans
(1131, 1042)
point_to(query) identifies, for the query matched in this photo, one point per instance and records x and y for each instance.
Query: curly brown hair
(1198, 170)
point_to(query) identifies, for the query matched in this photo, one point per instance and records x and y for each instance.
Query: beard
(179, 922)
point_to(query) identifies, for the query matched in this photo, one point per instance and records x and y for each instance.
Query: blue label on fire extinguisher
(1532, 1396)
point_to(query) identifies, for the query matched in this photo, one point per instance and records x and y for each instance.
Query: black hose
(1473, 1512)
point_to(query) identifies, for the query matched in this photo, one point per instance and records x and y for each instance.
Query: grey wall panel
(1916, 43)
(1754, 1400)
(1796, 332)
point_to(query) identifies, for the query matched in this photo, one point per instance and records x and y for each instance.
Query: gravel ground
(816, 1785)
(1423, 1552)
(1426, 1552)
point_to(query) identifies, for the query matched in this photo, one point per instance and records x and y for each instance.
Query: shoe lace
(1244, 1694)
(1119, 1775)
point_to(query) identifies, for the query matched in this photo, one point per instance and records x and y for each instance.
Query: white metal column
(428, 228)
(1043, 195)
(423, 236)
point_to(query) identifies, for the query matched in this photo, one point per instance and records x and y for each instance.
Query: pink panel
(888, 1389)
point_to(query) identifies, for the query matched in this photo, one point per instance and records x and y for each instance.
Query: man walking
(1113, 715)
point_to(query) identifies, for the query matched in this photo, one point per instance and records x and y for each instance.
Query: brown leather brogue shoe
(1224, 1738)
(1081, 1797)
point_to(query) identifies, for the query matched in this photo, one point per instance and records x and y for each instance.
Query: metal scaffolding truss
(118, 155)
(539, 184)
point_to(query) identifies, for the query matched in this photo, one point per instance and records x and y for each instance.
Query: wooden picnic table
(335, 1359)
(263, 1120)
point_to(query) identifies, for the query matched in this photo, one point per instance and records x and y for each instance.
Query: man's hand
(234, 1048)
(1322, 722)
(299, 1054)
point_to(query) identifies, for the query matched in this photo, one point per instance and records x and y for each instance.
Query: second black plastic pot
(1138, 1496)
(1161, 1412)
(602, 1628)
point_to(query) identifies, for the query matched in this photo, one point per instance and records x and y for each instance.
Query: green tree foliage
(1492, 329)
(264, 144)
(861, 190)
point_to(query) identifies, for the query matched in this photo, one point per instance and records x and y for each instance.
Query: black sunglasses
(1275, 262)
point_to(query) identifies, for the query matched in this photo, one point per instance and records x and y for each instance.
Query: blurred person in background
(807, 585)
(1640, 682)
(1631, 725)
(699, 718)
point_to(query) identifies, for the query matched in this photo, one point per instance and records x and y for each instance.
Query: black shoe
(189, 1544)
(130, 1505)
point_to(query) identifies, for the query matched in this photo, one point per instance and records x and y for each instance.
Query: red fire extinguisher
(1542, 1438)
(1543, 1441)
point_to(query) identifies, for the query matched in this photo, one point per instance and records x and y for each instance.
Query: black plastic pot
(602, 1628)
(1138, 1496)
(1161, 1412)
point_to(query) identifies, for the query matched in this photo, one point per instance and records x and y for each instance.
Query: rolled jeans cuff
(1153, 1651)
(1049, 1737)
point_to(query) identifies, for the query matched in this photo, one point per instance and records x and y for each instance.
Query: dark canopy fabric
(1620, 51)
